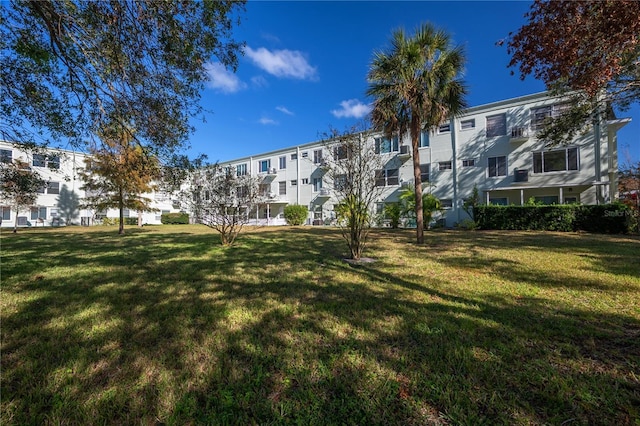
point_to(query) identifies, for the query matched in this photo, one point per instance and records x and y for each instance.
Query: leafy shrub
(608, 219)
(295, 214)
(393, 212)
(174, 219)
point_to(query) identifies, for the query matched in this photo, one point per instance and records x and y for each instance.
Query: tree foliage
(588, 47)
(19, 186)
(119, 173)
(295, 214)
(220, 199)
(351, 164)
(417, 85)
(430, 204)
(69, 67)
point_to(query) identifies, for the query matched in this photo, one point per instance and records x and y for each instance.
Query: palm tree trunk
(415, 142)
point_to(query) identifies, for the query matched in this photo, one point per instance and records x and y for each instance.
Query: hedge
(295, 214)
(606, 219)
(174, 219)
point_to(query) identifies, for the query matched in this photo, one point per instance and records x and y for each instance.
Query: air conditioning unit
(272, 171)
(273, 195)
(521, 175)
(405, 150)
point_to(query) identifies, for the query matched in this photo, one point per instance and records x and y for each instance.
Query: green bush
(174, 219)
(606, 219)
(295, 214)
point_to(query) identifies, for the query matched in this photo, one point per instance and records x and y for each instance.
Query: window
(241, 169)
(38, 212)
(446, 203)
(6, 156)
(264, 165)
(340, 183)
(6, 213)
(305, 154)
(424, 172)
(444, 128)
(42, 189)
(207, 195)
(469, 163)
(540, 115)
(305, 181)
(496, 125)
(547, 199)
(22, 220)
(317, 184)
(294, 156)
(242, 191)
(558, 160)
(53, 188)
(497, 166)
(317, 156)
(468, 124)
(424, 138)
(387, 177)
(444, 165)
(282, 162)
(39, 160)
(500, 201)
(340, 152)
(53, 162)
(294, 182)
(386, 145)
(571, 200)
(282, 187)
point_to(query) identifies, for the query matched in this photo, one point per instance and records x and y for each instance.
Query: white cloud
(351, 108)
(283, 63)
(267, 121)
(223, 80)
(284, 110)
(259, 81)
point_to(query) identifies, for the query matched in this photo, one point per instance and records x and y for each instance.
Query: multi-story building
(60, 199)
(492, 147)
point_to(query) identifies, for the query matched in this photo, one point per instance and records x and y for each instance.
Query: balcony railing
(519, 134)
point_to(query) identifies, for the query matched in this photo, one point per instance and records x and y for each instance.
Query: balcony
(324, 193)
(519, 134)
(405, 152)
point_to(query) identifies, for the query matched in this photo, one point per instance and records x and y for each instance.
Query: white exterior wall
(67, 177)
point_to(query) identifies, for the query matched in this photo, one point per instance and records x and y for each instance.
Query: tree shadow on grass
(279, 330)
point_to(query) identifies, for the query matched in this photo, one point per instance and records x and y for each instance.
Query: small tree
(117, 174)
(352, 165)
(430, 204)
(19, 186)
(393, 211)
(295, 214)
(220, 199)
(472, 202)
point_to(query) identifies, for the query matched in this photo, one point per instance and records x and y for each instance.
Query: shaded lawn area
(163, 326)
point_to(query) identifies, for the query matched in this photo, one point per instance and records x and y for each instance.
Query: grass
(163, 326)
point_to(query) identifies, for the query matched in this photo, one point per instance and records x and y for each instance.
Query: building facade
(60, 199)
(492, 147)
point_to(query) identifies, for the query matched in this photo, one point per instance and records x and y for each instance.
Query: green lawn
(164, 326)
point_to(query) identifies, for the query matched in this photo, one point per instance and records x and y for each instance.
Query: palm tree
(416, 86)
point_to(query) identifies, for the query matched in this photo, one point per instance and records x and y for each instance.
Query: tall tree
(417, 85)
(222, 199)
(68, 67)
(119, 173)
(588, 46)
(352, 165)
(19, 186)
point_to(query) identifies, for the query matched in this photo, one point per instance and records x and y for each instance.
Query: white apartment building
(492, 147)
(55, 204)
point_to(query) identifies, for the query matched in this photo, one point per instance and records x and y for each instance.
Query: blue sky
(305, 64)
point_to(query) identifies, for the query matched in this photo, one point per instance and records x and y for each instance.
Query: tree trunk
(415, 142)
(121, 208)
(15, 222)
